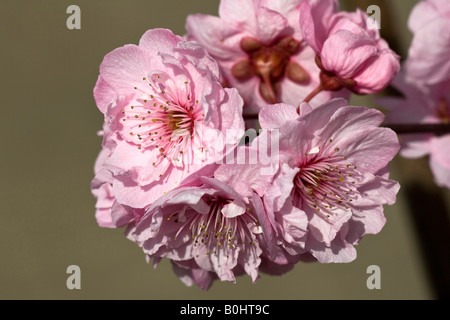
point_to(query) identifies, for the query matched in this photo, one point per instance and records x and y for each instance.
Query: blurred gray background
(49, 145)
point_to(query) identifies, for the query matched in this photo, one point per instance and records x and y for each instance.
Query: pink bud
(348, 49)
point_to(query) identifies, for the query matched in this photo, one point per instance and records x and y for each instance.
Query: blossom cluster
(191, 182)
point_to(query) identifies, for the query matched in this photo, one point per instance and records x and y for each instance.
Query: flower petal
(276, 115)
(315, 30)
(344, 53)
(440, 160)
(159, 41)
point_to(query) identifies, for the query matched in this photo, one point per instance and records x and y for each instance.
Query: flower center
(213, 231)
(270, 63)
(161, 119)
(326, 184)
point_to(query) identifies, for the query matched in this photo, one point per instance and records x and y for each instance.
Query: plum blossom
(334, 171)
(349, 53)
(428, 57)
(165, 111)
(170, 122)
(261, 51)
(210, 228)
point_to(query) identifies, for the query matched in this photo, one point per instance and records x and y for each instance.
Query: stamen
(322, 182)
(213, 230)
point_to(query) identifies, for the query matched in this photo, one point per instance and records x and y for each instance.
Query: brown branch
(410, 128)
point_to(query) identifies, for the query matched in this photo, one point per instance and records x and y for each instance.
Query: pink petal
(294, 224)
(244, 178)
(103, 218)
(231, 115)
(281, 188)
(139, 165)
(326, 230)
(196, 54)
(188, 196)
(415, 145)
(318, 119)
(184, 274)
(124, 68)
(347, 121)
(233, 209)
(104, 95)
(251, 261)
(371, 150)
(216, 36)
(378, 190)
(270, 24)
(315, 16)
(274, 116)
(242, 12)
(285, 7)
(423, 13)
(340, 251)
(159, 41)
(440, 160)
(428, 54)
(369, 220)
(272, 268)
(120, 215)
(344, 53)
(129, 193)
(378, 74)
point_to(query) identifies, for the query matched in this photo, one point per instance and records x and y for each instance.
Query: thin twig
(436, 128)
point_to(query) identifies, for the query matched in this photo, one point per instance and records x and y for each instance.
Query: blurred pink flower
(260, 49)
(334, 171)
(350, 53)
(425, 85)
(419, 105)
(429, 54)
(165, 111)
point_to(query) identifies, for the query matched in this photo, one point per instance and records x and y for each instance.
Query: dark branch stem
(252, 116)
(410, 128)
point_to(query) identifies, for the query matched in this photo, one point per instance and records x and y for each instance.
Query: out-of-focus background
(49, 143)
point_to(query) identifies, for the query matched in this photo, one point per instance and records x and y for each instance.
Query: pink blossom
(260, 49)
(349, 53)
(428, 58)
(164, 112)
(420, 105)
(209, 231)
(333, 171)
